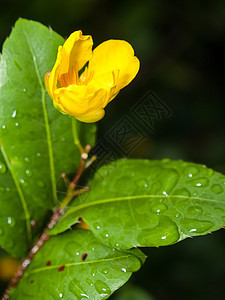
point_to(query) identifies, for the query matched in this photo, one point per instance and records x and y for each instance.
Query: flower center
(72, 77)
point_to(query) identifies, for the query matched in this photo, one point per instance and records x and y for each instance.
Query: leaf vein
(47, 126)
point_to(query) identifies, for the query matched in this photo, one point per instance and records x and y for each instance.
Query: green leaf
(37, 143)
(58, 270)
(150, 203)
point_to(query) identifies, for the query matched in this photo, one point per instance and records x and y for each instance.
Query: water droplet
(163, 237)
(190, 175)
(124, 270)
(3, 126)
(7, 189)
(38, 154)
(105, 271)
(93, 272)
(11, 221)
(142, 183)
(16, 124)
(2, 168)
(165, 227)
(24, 90)
(159, 208)
(60, 295)
(216, 188)
(177, 215)
(21, 180)
(63, 139)
(102, 288)
(27, 159)
(14, 114)
(192, 170)
(201, 182)
(89, 282)
(85, 296)
(97, 226)
(210, 172)
(77, 253)
(28, 173)
(40, 183)
(107, 235)
(196, 226)
(195, 210)
(164, 193)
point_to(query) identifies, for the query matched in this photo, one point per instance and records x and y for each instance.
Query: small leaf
(150, 203)
(58, 270)
(37, 143)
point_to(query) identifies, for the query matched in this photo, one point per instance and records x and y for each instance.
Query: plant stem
(57, 213)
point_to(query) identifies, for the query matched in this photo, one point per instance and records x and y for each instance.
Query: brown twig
(57, 213)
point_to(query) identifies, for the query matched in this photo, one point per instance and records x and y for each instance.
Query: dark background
(181, 46)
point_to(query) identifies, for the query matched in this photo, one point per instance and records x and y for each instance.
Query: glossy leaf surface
(59, 269)
(36, 141)
(150, 203)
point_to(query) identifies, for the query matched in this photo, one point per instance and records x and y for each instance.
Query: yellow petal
(77, 49)
(51, 78)
(92, 117)
(78, 99)
(115, 55)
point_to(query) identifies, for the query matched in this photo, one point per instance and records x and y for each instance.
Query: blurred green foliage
(181, 48)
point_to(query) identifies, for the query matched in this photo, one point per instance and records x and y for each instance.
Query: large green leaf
(36, 141)
(58, 270)
(150, 203)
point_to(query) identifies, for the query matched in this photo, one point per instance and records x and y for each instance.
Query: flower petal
(51, 78)
(77, 49)
(92, 117)
(78, 99)
(115, 55)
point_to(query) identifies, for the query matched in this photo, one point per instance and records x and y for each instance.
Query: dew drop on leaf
(159, 208)
(84, 296)
(2, 168)
(14, 114)
(200, 182)
(217, 189)
(105, 271)
(142, 183)
(40, 183)
(192, 170)
(200, 226)
(11, 221)
(28, 173)
(102, 288)
(89, 282)
(195, 210)
(27, 159)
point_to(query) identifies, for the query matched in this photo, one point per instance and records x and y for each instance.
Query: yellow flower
(83, 90)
